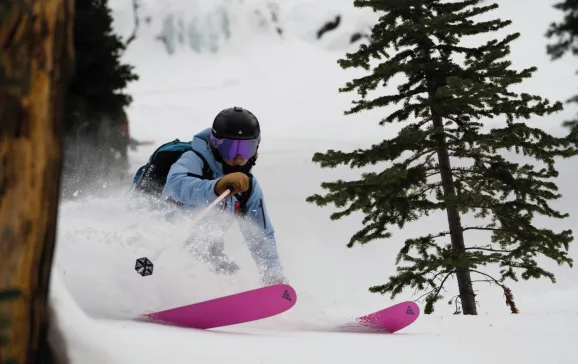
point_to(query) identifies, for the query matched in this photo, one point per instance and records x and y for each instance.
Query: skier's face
(237, 161)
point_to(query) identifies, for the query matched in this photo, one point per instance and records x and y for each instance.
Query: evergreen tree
(566, 33)
(99, 74)
(443, 106)
(95, 121)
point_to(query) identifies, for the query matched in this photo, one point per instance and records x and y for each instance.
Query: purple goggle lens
(229, 148)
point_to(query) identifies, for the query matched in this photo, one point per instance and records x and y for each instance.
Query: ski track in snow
(291, 86)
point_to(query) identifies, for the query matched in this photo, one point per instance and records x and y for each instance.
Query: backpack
(152, 177)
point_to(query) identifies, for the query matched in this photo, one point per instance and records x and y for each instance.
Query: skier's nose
(239, 160)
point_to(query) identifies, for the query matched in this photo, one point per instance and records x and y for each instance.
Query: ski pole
(208, 208)
(197, 218)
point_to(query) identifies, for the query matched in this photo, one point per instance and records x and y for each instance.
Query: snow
(291, 84)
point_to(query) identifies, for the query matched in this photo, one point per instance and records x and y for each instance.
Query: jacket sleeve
(184, 183)
(259, 233)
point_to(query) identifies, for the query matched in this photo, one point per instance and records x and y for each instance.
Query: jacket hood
(200, 143)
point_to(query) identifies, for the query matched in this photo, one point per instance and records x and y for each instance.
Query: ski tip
(393, 318)
(287, 292)
(412, 308)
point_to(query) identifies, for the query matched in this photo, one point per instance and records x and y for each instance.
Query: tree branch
(442, 234)
(486, 229)
(427, 152)
(489, 249)
(443, 282)
(488, 276)
(433, 278)
(507, 291)
(483, 280)
(132, 37)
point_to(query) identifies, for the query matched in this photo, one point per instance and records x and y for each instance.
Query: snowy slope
(291, 84)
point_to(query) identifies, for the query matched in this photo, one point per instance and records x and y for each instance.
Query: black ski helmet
(236, 123)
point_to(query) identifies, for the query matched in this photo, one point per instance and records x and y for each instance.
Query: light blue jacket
(194, 192)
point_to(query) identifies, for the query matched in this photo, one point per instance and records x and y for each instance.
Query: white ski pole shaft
(208, 208)
(199, 217)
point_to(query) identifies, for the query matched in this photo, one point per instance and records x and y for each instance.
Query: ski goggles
(230, 148)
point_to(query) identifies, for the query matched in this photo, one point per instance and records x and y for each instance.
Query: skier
(229, 150)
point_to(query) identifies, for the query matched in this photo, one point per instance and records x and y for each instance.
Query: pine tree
(99, 74)
(95, 101)
(443, 107)
(566, 33)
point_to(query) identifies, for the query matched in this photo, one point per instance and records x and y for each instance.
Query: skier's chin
(227, 168)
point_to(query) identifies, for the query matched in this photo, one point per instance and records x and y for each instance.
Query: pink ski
(229, 310)
(393, 318)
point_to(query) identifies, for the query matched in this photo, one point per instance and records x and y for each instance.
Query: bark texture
(36, 60)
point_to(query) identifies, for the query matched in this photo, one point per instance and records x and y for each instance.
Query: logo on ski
(409, 311)
(144, 266)
(286, 295)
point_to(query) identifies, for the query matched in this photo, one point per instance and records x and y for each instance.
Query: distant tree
(566, 34)
(443, 102)
(95, 119)
(99, 76)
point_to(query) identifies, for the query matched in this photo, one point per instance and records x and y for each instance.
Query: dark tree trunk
(465, 286)
(36, 55)
(466, 289)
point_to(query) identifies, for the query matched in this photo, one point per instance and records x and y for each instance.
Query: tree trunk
(36, 54)
(466, 289)
(465, 286)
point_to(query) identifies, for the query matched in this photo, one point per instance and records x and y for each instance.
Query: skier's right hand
(236, 182)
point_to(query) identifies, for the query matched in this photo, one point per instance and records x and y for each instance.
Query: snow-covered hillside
(290, 82)
(208, 27)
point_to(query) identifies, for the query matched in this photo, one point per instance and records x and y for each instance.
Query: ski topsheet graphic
(234, 309)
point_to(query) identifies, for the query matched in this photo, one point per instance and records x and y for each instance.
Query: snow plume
(104, 251)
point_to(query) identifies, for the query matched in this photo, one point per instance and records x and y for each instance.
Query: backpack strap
(207, 171)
